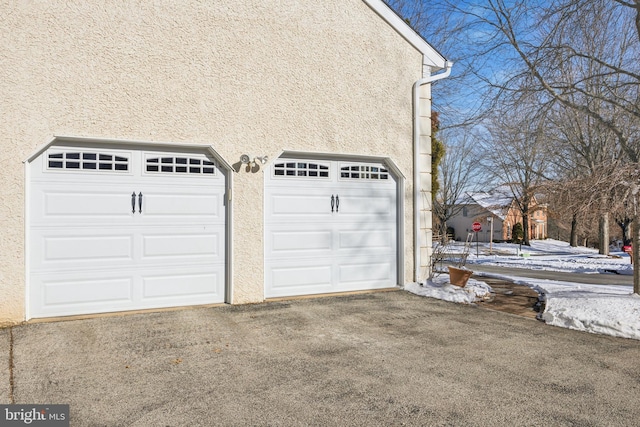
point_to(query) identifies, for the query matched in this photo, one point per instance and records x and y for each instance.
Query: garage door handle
(140, 202)
(333, 202)
(133, 202)
(337, 203)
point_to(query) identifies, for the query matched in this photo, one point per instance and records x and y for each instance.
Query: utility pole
(635, 238)
(635, 245)
(476, 227)
(490, 220)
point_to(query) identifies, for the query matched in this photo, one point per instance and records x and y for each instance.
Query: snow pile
(609, 310)
(600, 309)
(440, 287)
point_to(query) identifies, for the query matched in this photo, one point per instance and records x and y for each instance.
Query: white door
(330, 226)
(114, 229)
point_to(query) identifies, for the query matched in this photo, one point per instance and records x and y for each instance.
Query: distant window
(301, 169)
(88, 161)
(465, 211)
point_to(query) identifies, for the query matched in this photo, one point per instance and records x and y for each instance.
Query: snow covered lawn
(610, 310)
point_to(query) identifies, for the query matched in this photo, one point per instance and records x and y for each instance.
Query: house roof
(497, 202)
(431, 58)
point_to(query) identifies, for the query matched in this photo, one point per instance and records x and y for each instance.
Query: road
(592, 279)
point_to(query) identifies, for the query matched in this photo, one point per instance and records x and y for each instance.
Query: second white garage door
(330, 226)
(114, 229)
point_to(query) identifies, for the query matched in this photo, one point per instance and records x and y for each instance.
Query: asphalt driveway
(386, 358)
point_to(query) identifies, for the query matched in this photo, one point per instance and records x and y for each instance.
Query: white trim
(83, 141)
(228, 204)
(431, 57)
(27, 237)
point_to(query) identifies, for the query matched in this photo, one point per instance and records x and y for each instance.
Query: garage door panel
(60, 250)
(367, 240)
(171, 246)
(86, 204)
(88, 290)
(300, 278)
(65, 294)
(182, 205)
(88, 248)
(197, 288)
(81, 206)
(367, 271)
(291, 207)
(302, 242)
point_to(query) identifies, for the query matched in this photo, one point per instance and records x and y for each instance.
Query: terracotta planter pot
(459, 276)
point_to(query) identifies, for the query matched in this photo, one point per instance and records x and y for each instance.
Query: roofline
(83, 140)
(430, 56)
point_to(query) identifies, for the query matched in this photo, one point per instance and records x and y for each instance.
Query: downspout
(416, 162)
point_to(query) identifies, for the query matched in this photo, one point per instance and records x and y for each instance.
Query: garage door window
(290, 169)
(180, 165)
(363, 172)
(87, 161)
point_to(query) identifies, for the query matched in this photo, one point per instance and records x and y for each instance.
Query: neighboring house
(500, 207)
(161, 154)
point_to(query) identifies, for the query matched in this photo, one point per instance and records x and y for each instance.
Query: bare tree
(461, 98)
(519, 154)
(577, 196)
(459, 173)
(573, 52)
(584, 149)
(594, 39)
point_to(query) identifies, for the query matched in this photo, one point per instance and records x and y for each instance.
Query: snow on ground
(440, 288)
(552, 255)
(610, 310)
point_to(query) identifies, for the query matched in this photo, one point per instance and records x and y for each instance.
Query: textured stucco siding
(244, 76)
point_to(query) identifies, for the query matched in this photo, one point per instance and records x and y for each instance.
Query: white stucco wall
(258, 76)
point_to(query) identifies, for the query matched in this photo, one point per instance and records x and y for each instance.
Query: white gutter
(416, 163)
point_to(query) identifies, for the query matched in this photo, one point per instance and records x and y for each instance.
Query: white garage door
(114, 229)
(330, 226)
